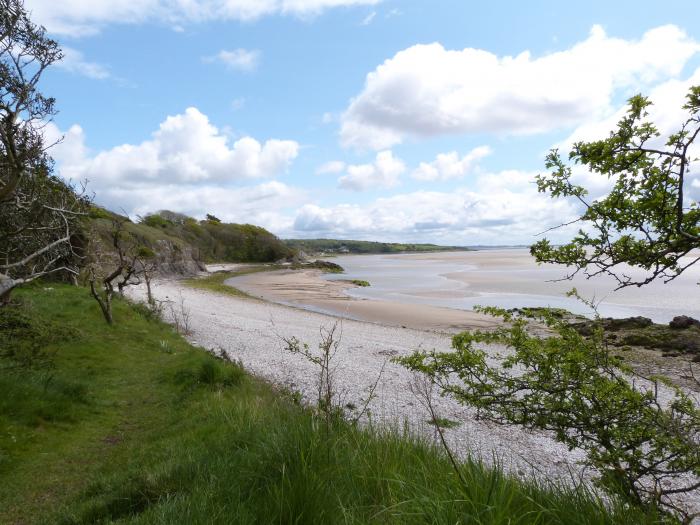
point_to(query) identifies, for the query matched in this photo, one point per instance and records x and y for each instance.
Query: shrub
(211, 372)
(155, 221)
(25, 340)
(646, 449)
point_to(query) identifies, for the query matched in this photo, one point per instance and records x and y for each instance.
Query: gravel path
(251, 331)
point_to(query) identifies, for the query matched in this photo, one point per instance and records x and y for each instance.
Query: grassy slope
(137, 426)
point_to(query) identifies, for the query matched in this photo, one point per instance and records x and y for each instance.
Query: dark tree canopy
(646, 221)
(38, 212)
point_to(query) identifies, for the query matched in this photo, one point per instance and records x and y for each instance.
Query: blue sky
(386, 120)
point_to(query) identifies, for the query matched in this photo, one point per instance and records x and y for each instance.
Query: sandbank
(308, 290)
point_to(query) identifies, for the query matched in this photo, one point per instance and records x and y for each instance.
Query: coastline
(307, 290)
(252, 332)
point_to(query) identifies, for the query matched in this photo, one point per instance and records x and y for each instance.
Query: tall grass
(166, 433)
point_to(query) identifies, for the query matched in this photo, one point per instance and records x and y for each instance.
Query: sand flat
(307, 289)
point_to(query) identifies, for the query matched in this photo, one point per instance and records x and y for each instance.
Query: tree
(647, 220)
(642, 434)
(119, 269)
(147, 263)
(39, 213)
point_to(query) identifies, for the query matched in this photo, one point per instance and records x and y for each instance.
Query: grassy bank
(215, 281)
(131, 424)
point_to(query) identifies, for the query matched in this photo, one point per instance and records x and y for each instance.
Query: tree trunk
(7, 284)
(149, 293)
(105, 303)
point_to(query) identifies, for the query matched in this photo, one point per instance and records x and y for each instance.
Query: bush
(155, 221)
(210, 372)
(646, 449)
(25, 340)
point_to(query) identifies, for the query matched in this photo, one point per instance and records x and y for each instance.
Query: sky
(389, 120)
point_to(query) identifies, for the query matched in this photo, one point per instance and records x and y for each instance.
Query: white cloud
(447, 166)
(239, 59)
(504, 206)
(334, 166)
(189, 166)
(427, 90)
(369, 18)
(666, 113)
(262, 204)
(186, 148)
(383, 173)
(74, 62)
(86, 17)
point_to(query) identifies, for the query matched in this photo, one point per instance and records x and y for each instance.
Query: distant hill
(340, 246)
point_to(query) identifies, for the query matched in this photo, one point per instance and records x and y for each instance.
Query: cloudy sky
(375, 119)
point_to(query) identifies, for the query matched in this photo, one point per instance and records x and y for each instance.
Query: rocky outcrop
(680, 336)
(683, 322)
(175, 259)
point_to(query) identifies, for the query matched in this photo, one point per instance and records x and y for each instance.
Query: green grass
(134, 425)
(215, 281)
(444, 422)
(360, 282)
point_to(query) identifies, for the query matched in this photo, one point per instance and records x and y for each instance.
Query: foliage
(646, 220)
(132, 433)
(215, 241)
(643, 446)
(444, 422)
(25, 341)
(155, 221)
(123, 264)
(315, 246)
(361, 283)
(318, 264)
(38, 212)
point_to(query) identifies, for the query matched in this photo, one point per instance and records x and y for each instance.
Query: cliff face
(178, 244)
(175, 259)
(171, 256)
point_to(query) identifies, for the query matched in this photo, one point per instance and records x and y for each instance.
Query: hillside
(181, 243)
(340, 246)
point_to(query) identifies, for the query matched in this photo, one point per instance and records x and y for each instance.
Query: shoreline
(307, 290)
(252, 332)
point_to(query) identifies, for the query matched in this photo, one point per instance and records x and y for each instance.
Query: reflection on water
(510, 278)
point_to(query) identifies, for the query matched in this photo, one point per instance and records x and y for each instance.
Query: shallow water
(510, 278)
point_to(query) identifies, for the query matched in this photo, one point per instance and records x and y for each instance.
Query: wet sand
(309, 290)
(437, 291)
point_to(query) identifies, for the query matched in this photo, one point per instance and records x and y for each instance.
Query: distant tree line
(315, 246)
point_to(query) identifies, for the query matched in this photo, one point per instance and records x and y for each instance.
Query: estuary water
(510, 278)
